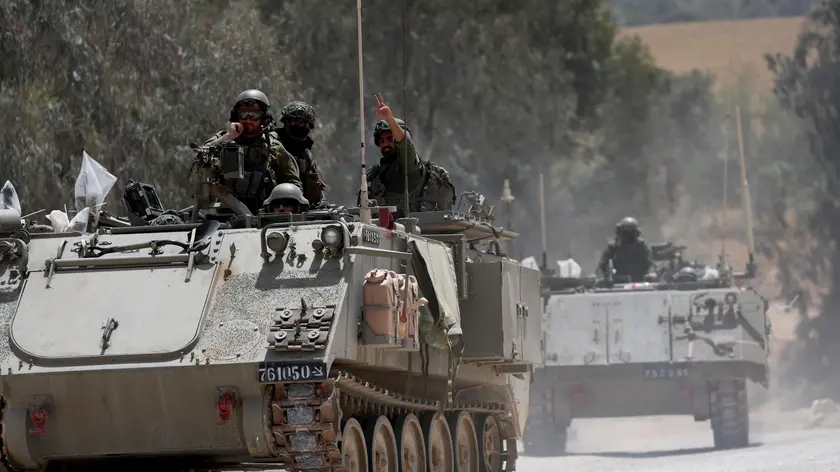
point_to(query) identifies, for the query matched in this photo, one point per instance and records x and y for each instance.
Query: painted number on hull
(273, 372)
(665, 373)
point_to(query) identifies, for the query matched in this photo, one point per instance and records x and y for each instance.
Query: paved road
(668, 447)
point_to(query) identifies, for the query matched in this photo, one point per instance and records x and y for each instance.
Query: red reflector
(384, 218)
(575, 389)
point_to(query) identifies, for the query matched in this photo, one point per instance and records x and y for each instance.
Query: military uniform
(632, 259)
(266, 164)
(630, 254)
(308, 174)
(298, 120)
(429, 186)
(273, 162)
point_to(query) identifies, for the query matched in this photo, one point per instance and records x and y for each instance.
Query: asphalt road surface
(678, 444)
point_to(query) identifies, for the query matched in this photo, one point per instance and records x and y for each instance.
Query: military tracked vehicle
(310, 341)
(683, 344)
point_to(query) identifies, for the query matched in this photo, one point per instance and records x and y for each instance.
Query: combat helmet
(383, 125)
(300, 110)
(251, 95)
(628, 226)
(288, 192)
(167, 218)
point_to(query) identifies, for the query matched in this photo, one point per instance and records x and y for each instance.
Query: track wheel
(353, 448)
(438, 443)
(465, 442)
(382, 446)
(412, 447)
(489, 443)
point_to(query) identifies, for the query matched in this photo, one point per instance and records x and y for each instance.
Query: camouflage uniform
(297, 141)
(429, 185)
(281, 167)
(630, 254)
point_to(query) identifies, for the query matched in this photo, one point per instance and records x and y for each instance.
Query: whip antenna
(542, 224)
(745, 187)
(364, 212)
(405, 99)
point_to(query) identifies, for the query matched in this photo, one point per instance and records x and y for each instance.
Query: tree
(807, 83)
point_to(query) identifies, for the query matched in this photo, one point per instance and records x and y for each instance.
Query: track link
(306, 417)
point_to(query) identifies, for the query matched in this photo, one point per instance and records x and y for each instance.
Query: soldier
(630, 254)
(429, 185)
(286, 198)
(267, 162)
(298, 120)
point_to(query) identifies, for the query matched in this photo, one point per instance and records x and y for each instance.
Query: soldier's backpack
(436, 179)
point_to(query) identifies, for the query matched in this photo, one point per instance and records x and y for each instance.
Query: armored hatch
(155, 278)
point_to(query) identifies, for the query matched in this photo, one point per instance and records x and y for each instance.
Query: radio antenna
(542, 224)
(745, 189)
(364, 213)
(405, 98)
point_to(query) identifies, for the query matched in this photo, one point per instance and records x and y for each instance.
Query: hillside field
(724, 47)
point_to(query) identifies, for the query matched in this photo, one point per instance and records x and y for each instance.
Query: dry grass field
(727, 48)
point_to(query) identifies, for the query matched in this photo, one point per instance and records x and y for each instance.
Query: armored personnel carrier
(682, 344)
(310, 341)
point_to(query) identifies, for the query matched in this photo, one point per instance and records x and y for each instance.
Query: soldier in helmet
(429, 186)
(286, 198)
(629, 253)
(298, 120)
(267, 162)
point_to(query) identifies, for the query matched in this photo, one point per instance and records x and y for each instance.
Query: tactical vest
(630, 260)
(253, 184)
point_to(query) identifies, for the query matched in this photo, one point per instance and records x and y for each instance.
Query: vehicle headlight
(277, 242)
(332, 237)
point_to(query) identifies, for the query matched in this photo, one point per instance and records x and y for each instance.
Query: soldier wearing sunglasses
(267, 162)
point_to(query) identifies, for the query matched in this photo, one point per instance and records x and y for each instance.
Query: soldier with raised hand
(267, 162)
(298, 119)
(429, 185)
(630, 254)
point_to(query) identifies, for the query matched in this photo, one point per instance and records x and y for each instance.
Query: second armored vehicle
(685, 345)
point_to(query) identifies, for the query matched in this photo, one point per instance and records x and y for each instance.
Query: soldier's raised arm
(403, 143)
